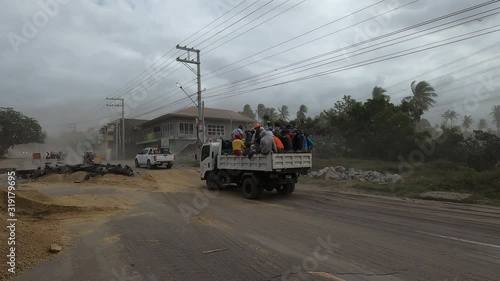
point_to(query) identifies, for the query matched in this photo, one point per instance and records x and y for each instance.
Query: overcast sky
(61, 59)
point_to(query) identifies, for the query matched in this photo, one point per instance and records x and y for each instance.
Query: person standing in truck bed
(287, 142)
(279, 145)
(267, 144)
(238, 145)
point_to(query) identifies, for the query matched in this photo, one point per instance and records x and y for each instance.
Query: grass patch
(433, 176)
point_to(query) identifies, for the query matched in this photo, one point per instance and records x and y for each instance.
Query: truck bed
(266, 163)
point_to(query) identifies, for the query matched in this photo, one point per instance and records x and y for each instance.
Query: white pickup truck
(154, 157)
(276, 171)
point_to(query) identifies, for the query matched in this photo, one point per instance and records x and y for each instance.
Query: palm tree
(467, 122)
(453, 117)
(261, 111)
(449, 115)
(301, 114)
(423, 94)
(482, 124)
(284, 113)
(248, 111)
(446, 116)
(379, 93)
(272, 113)
(495, 112)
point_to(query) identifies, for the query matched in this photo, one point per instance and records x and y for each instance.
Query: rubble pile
(92, 170)
(341, 173)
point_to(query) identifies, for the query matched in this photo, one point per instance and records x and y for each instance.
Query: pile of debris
(341, 173)
(92, 170)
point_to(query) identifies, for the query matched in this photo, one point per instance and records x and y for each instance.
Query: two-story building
(177, 130)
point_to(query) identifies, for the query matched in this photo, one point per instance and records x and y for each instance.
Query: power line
(468, 9)
(359, 64)
(143, 72)
(201, 36)
(446, 64)
(357, 44)
(151, 79)
(244, 17)
(296, 37)
(248, 23)
(462, 69)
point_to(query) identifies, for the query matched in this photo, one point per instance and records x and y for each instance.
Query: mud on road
(165, 225)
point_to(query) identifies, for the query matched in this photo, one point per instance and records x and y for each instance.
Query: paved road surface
(312, 235)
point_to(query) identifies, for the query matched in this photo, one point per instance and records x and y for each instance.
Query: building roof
(210, 113)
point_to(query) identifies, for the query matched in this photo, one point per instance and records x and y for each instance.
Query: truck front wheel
(250, 188)
(211, 182)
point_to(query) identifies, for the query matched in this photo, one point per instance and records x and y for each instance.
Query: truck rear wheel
(148, 164)
(250, 188)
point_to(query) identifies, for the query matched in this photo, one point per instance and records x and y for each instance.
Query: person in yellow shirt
(238, 145)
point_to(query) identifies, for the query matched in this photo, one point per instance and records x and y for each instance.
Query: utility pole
(201, 131)
(123, 123)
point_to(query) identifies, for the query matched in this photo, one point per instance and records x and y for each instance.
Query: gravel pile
(341, 173)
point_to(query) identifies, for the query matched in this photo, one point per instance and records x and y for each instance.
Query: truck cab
(209, 153)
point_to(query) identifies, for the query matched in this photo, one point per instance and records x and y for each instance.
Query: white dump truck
(276, 171)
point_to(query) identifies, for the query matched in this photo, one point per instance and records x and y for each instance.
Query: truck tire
(250, 188)
(137, 163)
(169, 166)
(210, 181)
(292, 187)
(149, 165)
(222, 178)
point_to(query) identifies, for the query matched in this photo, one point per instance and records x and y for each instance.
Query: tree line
(380, 129)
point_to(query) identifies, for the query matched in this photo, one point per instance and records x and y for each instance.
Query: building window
(216, 130)
(147, 131)
(186, 128)
(166, 130)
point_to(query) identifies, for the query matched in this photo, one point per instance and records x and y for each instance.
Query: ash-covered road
(183, 232)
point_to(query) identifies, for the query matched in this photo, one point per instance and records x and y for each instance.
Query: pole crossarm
(186, 48)
(188, 61)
